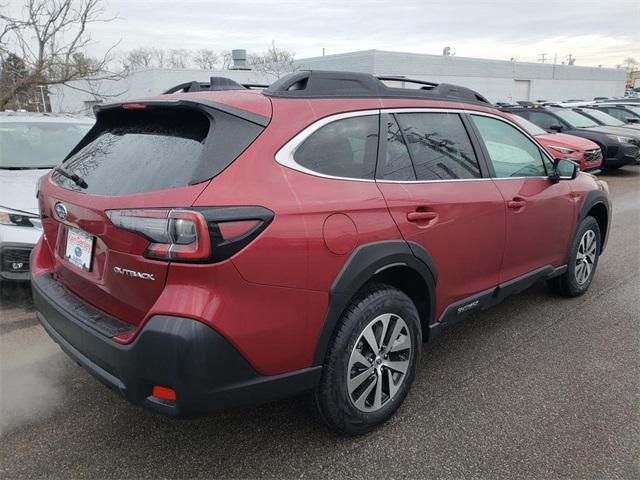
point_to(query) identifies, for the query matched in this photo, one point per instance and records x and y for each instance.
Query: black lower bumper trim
(204, 369)
(14, 261)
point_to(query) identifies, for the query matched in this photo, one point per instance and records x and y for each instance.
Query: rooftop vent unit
(239, 58)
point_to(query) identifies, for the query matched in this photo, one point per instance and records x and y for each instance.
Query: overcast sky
(595, 32)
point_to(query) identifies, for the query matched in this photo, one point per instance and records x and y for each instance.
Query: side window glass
(344, 148)
(439, 146)
(396, 164)
(511, 152)
(543, 120)
(617, 113)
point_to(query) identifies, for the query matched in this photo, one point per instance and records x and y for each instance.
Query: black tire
(332, 397)
(567, 284)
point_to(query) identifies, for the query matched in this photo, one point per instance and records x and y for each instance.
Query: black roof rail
(327, 84)
(215, 84)
(399, 78)
(255, 85)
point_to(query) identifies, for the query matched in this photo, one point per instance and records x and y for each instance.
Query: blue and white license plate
(79, 249)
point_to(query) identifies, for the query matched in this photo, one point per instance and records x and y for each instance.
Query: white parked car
(30, 145)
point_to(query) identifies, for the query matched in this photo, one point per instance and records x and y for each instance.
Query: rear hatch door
(151, 157)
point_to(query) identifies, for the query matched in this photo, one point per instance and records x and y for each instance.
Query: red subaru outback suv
(217, 248)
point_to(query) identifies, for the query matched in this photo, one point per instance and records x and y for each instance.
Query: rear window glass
(439, 146)
(345, 148)
(135, 151)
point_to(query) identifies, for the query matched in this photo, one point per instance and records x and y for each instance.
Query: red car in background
(560, 145)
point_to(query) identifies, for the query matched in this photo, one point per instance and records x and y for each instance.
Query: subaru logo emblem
(61, 211)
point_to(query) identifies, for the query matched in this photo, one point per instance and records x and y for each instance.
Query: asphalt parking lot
(536, 387)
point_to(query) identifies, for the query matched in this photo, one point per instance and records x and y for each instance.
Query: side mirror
(556, 127)
(632, 120)
(563, 169)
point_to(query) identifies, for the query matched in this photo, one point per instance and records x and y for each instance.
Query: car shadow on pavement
(624, 172)
(109, 430)
(15, 295)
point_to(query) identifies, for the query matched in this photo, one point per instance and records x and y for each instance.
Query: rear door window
(542, 119)
(135, 151)
(345, 148)
(395, 163)
(439, 146)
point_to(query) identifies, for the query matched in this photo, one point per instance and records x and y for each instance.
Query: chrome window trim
(284, 156)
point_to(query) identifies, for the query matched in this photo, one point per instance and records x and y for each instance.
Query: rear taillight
(202, 235)
(174, 234)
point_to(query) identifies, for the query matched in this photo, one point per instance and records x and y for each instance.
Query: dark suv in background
(601, 117)
(620, 146)
(217, 248)
(625, 112)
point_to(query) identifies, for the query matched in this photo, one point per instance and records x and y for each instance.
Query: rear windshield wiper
(78, 180)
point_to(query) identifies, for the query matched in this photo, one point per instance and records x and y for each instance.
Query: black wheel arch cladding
(592, 200)
(364, 263)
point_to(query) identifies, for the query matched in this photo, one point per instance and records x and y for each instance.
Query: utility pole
(542, 57)
(555, 60)
(570, 59)
(44, 102)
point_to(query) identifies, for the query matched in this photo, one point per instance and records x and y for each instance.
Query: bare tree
(227, 60)
(141, 57)
(179, 58)
(160, 58)
(206, 59)
(275, 61)
(50, 37)
(630, 64)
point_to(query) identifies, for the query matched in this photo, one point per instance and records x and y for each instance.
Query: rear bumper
(204, 369)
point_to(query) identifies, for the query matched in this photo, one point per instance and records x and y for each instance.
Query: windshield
(38, 145)
(604, 118)
(530, 127)
(634, 108)
(575, 119)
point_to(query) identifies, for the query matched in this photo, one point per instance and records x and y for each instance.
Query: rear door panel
(458, 219)
(466, 239)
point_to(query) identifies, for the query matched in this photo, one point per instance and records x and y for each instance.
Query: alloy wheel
(586, 257)
(379, 362)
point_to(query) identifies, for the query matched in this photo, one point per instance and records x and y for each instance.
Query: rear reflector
(164, 393)
(232, 230)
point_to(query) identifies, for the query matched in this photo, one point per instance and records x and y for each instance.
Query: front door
(539, 213)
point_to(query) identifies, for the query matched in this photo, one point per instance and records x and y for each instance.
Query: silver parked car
(30, 145)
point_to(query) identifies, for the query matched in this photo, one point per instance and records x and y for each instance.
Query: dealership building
(498, 80)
